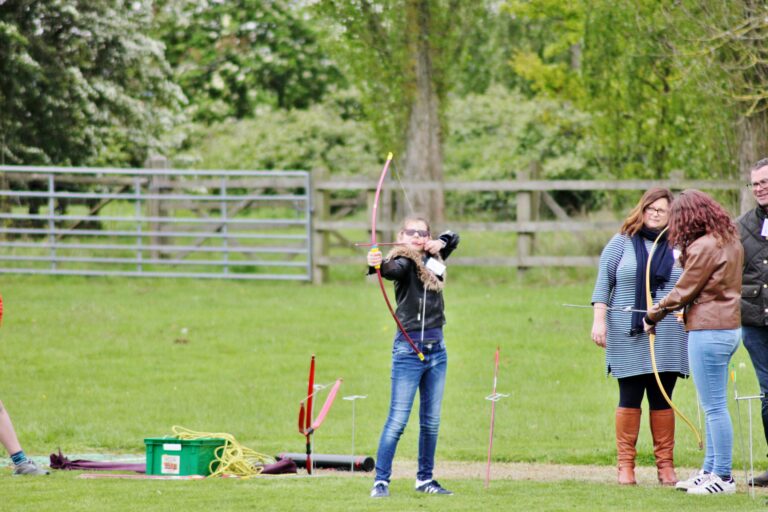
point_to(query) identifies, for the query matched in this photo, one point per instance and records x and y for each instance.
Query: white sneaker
(28, 467)
(715, 485)
(696, 480)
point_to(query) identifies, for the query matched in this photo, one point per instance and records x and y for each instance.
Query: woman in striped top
(621, 284)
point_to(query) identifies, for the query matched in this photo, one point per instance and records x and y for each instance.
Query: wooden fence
(330, 216)
(529, 196)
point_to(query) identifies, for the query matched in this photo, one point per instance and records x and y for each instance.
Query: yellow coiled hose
(232, 458)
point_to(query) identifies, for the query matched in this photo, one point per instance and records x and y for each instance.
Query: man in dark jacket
(753, 227)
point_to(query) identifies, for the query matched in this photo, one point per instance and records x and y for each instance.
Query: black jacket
(754, 283)
(411, 291)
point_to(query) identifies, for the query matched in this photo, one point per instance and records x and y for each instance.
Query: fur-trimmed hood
(430, 280)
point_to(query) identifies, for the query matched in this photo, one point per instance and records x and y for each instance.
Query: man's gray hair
(759, 164)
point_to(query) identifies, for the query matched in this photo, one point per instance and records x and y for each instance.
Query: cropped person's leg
(22, 465)
(756, 343)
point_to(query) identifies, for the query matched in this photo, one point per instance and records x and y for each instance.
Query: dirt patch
(530, 471)
(535, 472)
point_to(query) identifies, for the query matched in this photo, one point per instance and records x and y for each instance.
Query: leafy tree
(488, 46)
(500, 132)
(549, 51)
(81, 83)
(232, 57)
(654, 117)
(619, 62)
(400, 54)
(723, 48)
(325, 136)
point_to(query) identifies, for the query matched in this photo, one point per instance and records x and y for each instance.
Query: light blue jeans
(709, 353)
(408, 375)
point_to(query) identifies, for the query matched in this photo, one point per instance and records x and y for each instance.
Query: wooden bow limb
(375, 247)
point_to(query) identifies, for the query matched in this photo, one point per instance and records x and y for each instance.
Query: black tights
(632, 389)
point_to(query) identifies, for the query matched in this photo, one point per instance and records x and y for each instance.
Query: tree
(619, 61)
(232, 57)
(725, 47)
(653, 116)
(400, 53)
(81, 83)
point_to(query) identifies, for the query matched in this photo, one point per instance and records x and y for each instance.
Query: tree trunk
(424, 152)
(753, 145)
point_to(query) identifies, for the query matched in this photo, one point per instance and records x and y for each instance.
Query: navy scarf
(661, 270)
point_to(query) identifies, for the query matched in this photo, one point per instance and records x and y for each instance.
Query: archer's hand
(374, 257)
(434, 246)
(650, 329)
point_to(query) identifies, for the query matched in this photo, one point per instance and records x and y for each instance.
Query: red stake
(306, 427)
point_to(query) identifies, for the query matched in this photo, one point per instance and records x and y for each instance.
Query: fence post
(536, 197)
(321, 211)
(154, 205)
(675, 177)
(524, 214)
(5, 203)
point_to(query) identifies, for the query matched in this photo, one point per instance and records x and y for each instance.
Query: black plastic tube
(343, 462)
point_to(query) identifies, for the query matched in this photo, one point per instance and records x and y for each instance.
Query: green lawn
(91, 365)
(333, 494)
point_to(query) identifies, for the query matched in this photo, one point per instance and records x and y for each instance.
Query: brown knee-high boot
(663, 430)
(627, 429)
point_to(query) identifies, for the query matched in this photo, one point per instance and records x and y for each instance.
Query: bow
(375, 247)
(652, 342)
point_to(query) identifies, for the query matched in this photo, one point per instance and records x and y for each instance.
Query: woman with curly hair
(709, 290)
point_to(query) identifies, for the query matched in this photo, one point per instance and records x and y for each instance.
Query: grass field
(92, 365)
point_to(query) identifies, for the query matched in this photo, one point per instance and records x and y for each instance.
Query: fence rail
(530, 197)
(155, 222)
(163, 222)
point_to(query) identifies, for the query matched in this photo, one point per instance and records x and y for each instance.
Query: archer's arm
(699, 266)
(393, 269)
(451, 241)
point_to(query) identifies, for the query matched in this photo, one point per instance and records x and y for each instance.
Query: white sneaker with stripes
(432, 487)
(694, 481)
(715, 485)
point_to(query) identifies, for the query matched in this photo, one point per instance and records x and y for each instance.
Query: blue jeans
(408, 375)
(709, 353)
(756, 343)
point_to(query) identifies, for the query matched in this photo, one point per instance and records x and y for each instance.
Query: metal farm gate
(155, 223)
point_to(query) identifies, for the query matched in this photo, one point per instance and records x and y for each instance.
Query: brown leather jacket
(709, 289)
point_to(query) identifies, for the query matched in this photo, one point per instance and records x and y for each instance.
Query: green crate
(183, 457)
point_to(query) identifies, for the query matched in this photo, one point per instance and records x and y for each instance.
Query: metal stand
(741, 436)
(353, 399)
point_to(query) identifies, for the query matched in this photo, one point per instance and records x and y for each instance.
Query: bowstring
(396, 174)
